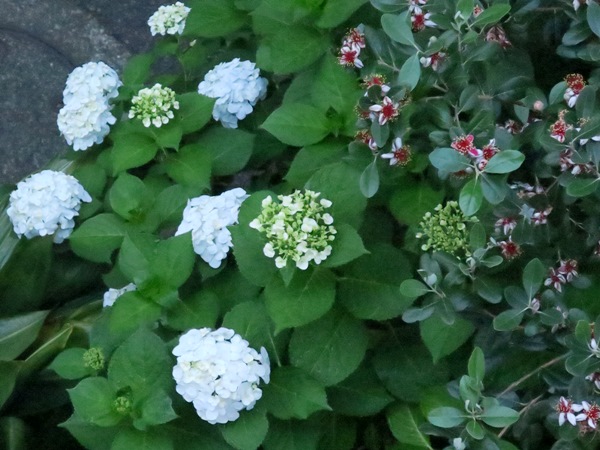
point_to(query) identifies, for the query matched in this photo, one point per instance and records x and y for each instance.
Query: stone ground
(41, 42)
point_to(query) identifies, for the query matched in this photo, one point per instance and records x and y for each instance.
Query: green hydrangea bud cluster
(154, 105)
(446, 230)
(94, 358)
(297, 228)
(123, 405)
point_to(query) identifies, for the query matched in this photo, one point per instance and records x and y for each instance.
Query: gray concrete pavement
(41, 41)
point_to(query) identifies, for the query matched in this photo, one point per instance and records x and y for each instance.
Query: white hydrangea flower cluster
(85, 117)
(219, 373)
(237, 87)
(169, 19)
(153, 106)
(208, 218)
(298, 228)
(111, 296)
(45, 203)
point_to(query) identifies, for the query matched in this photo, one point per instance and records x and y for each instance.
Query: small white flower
(169, 19)
(46, 203)
(237, 87)
(112, 295)
(219, 373)
(208, 218)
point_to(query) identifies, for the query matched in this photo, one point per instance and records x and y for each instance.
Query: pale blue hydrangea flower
(208, 218)
(219, 373)
(111, 296)
(46, 203)
(237, 87)
(85, 118)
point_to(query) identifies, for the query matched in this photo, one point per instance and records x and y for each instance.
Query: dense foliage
(316, 224)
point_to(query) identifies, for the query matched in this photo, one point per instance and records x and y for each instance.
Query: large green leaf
(190, 166)
(8, 377)
(198, 311)
(309, 296)
(292, 435)
(96, 238)
(330, 348)
(154, 439)
(409, 203)
(292, 393)
(229, 149)
(291, 49)
(248, 431)
(297, 124)
(195, 110)
(212, 18)
(126, 196)
(346, 247)
(334, 87)
(337, 11)
(310, 159)
(404, 423)
(443, 339)
(132, 150)
(141, 363)
(93, 401)
(18, 332)
(361, 394)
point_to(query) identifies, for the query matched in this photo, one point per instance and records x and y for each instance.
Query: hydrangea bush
(316, 225)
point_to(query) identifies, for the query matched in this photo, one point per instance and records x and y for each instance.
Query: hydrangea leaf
(291, 49)
(409, 203)
(370, 288)
(173, 260)
(93, 401)
(292, 435)
(442, 339)
(127, 196)
(212, 18)
(19, 332)
(195, 111)
(168, 206)
(191, 166)
(361, 394)
(292, 394)
(337, 11)
(309, 296)
(330, 348)
(346, 247)
(198, 311)
(137, 69)
(88, 434)
(313, 157)
(69, 364)
(153, 439)
(98, 237)
(169, 135)
(131, 311)
(141, 363)
(156, 409)
(297, 124)
(251, 321)
(404, 424)
(341, 432)
(132, 150)
(248, 431)
(232, 157)
(334, 87)
(135, 256)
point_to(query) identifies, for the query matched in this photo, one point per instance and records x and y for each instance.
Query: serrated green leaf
(330, 348)
(195, 110)
(132, 150)
(297, 124)
(442, 339)
(96, 238)
(292, 435)
(127, 195)
(409, 203)
(198, 311)
(142, 363)
(337, 11)
(69, 364)
(292, 393)
(190, 166)
(310, 159)
(229, 158)
(156, 409)
(130, 311)
(93, 401)
(137, 69)
(404, 423)
(346, 247)
(173, 260)
(153, 439)
(335, 87)
(309, 296)
(213, 18)
(248, 431)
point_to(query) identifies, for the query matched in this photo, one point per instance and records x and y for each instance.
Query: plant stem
(525, 377)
